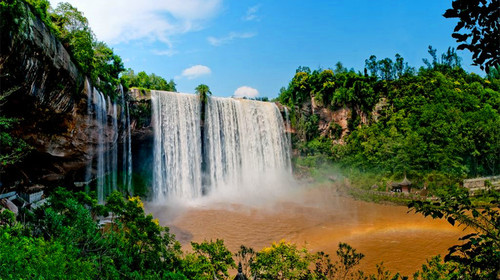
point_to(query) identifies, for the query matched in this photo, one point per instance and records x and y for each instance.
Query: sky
(252, 48)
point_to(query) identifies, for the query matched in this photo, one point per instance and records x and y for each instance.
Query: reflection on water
(318, 218)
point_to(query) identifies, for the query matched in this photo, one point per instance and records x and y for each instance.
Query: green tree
(218, 258)
(75, 34)
(203, 92)
(481, 35)
(478, 257)
(106, 67)
(282, 261)
(12, 149)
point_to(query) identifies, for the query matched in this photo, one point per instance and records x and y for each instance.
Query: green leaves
(144, 81)
(478, 256)
(214, 259)
(203, 91)
(12, 149)
(479, 19)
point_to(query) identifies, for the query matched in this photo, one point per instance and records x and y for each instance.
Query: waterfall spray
(245, 146)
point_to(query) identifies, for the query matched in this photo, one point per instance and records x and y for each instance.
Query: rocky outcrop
(42, 87)
(341, 117)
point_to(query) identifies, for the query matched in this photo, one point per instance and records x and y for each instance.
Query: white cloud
(230, 37)
(246, 91)
(118, 21)
(252, 13)
(196, 71)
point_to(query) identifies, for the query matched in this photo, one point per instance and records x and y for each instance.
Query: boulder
(7, 204)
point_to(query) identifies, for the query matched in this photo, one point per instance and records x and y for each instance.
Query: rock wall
(328, 118)
(42, 87)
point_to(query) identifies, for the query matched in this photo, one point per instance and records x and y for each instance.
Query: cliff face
(343, 118)
(42, 88)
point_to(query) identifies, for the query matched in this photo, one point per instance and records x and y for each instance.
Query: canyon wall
(43, 89)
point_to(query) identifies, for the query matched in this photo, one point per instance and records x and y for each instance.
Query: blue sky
(252, 48)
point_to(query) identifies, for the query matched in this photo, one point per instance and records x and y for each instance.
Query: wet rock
(43, 88)
(7, 204)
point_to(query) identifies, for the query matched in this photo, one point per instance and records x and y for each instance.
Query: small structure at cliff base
(403, 186)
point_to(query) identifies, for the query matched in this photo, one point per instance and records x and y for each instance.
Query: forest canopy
(438, 118)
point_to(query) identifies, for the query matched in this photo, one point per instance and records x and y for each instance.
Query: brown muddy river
(318, 218)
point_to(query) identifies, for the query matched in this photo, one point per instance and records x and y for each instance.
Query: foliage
(215, 258)
(95, 58)
(142, 80)
(481, 35)
(437, 121)
(478, 257)
(74, 31)
(141, 112)
(435, 268)
(282, 260)
(203, 92)
(25, 257)
(12, 149)
(71, 27)
(11, 17)
(132, 246)
(245, 256)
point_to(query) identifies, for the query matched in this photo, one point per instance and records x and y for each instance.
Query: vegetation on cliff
(142, 80)
(47, 53)
(437, 121)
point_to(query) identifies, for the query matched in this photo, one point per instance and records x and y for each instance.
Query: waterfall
(288, 127)
(126, 145)
(177, 145)
(245, 143)
(245, 146)
(101, 119)
(129, 154)
(102, 126)
(88, 171)
(114, 150)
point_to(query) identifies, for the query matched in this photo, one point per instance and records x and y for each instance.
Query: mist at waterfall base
(239, 153)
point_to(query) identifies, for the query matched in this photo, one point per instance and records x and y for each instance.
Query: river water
(315, 217)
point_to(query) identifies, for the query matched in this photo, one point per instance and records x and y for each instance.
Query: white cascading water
(245, 146)
(101, 119)
(88, 172)
(99, 111)
(177, 145)
(126, 145)
(129, 154)
(114, 149)
(288, 128)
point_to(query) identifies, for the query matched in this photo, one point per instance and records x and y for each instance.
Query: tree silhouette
(203, 91)
(479, 19)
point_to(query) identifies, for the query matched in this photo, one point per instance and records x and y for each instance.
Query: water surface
(318, 218)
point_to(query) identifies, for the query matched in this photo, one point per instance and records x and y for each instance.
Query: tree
(12, 149)
(203, 91)
(481, 35)
(478, 257)
(372, 65)
(75, 34)
(282, 261)
(106, 67)
(217, 258)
